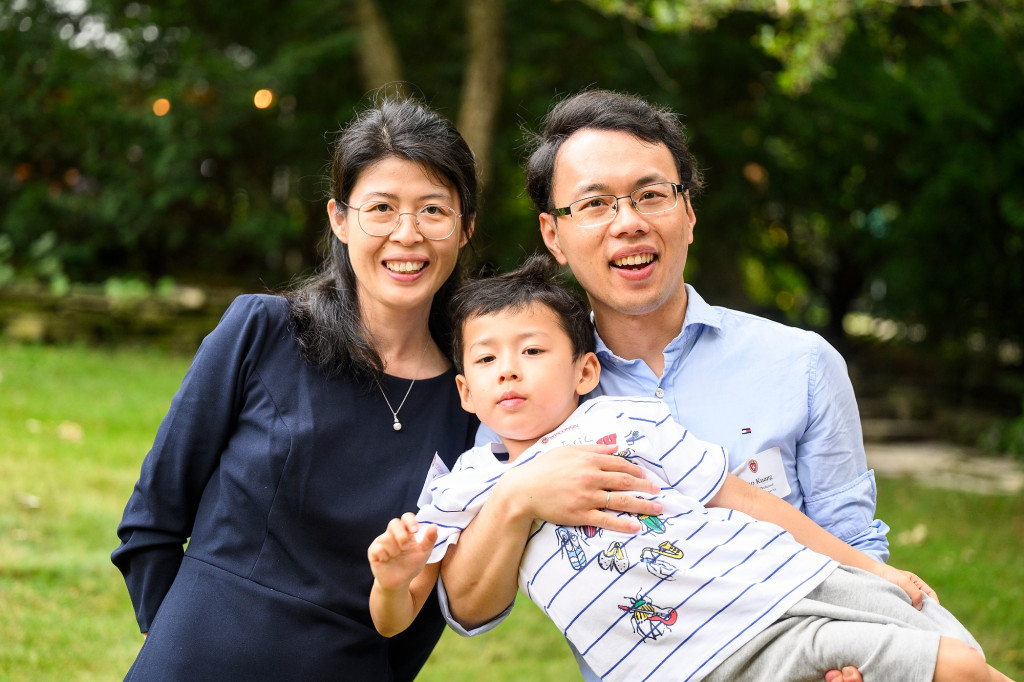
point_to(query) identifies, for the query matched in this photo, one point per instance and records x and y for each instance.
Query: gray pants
(852, 618)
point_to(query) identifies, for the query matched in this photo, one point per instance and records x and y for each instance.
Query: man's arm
(567, 486)
(838, 489)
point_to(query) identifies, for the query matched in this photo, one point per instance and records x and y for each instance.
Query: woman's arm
(158, 517)
(567, 486)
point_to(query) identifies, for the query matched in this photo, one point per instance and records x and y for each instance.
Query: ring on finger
(607, 498)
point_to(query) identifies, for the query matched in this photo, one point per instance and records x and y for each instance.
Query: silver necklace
(397, 426)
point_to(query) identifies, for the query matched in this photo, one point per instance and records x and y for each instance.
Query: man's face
(633, 265)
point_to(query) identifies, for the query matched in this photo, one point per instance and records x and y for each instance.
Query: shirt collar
(698, 315)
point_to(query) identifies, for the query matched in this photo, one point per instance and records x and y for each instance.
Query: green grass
(75, 424)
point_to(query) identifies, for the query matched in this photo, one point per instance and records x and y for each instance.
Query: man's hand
(847, 674)
(585, 485)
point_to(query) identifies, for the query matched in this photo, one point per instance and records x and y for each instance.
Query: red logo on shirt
(752, 465)
(607, 440)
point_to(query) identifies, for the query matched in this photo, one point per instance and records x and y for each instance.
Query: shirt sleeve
(454, 500)
(160, 513)
(838, 489)
(684, 462)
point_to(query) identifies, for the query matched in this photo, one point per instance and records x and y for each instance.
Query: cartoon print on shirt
(589, 532)
(654, 559)
(648, 620)
(613, 557)
(570, 545)
(654, 523)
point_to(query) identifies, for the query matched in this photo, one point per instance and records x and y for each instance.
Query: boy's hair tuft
(536, 281)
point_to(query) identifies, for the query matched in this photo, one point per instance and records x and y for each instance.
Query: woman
(304, 424)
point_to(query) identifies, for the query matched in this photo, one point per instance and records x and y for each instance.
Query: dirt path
(943, 465)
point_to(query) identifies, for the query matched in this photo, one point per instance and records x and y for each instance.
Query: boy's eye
(533, 351)
(484, 359)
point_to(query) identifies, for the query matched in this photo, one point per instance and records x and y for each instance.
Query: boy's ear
(464, 394)
(590, 373)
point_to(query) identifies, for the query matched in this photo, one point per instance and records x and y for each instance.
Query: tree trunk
(484, 80)
(379, 60)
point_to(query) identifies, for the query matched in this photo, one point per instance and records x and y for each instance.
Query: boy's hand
(909, 583)
(396, 557)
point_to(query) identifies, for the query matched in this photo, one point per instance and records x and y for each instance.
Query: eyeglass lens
(595, 210)
(379, 219)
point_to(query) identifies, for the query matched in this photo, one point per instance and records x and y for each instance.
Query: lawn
(75, 424)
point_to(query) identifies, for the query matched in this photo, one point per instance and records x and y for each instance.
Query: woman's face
(402, 271)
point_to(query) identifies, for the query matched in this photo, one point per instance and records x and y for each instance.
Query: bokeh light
(263, 98)
(161, 106)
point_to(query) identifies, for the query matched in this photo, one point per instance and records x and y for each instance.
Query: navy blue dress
(279, 478)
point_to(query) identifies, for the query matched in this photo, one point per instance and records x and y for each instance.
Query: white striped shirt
(670, 603)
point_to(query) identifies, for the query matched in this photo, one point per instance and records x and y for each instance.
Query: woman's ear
(590, 374)
(339, 220)
(467, 231)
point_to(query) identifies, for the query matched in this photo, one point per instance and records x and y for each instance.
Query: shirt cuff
(847, 512)
(442, 600)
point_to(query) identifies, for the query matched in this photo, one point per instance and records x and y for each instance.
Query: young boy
(712, 588)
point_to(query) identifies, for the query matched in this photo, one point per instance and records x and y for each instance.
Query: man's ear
(339, 220)
(691, 217)
(590, 374)
(464, 394)
(549, 232)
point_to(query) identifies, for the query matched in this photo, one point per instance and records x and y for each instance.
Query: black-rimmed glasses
(601, 209)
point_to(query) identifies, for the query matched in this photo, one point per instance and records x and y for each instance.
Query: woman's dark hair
(536, 281)
(324, 309)
(605, 110)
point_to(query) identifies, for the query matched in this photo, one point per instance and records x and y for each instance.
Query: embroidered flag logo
(744, 431)
(752, 465)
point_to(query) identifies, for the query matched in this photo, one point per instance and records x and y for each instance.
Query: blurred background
(865, 178)
(864, 158)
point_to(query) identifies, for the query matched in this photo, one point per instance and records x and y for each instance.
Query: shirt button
(659, 392)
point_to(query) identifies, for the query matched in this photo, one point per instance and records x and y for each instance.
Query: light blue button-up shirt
(751, 385)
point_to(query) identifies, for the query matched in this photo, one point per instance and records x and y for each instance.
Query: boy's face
(519, 375)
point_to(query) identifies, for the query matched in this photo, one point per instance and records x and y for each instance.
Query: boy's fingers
(924, 587)
(398, 531)
(429, 537)
(410, 523)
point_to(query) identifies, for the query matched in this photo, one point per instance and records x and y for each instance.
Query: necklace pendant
(397, 426)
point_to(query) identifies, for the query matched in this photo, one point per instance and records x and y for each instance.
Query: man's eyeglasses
(601, 209)
(379, 219)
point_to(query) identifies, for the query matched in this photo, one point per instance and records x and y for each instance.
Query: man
(611, 176)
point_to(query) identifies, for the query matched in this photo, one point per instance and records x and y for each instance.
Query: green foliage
(861, 156)
(804, 36)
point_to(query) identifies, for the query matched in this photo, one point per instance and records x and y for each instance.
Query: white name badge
(437, 468)
(765, 470)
